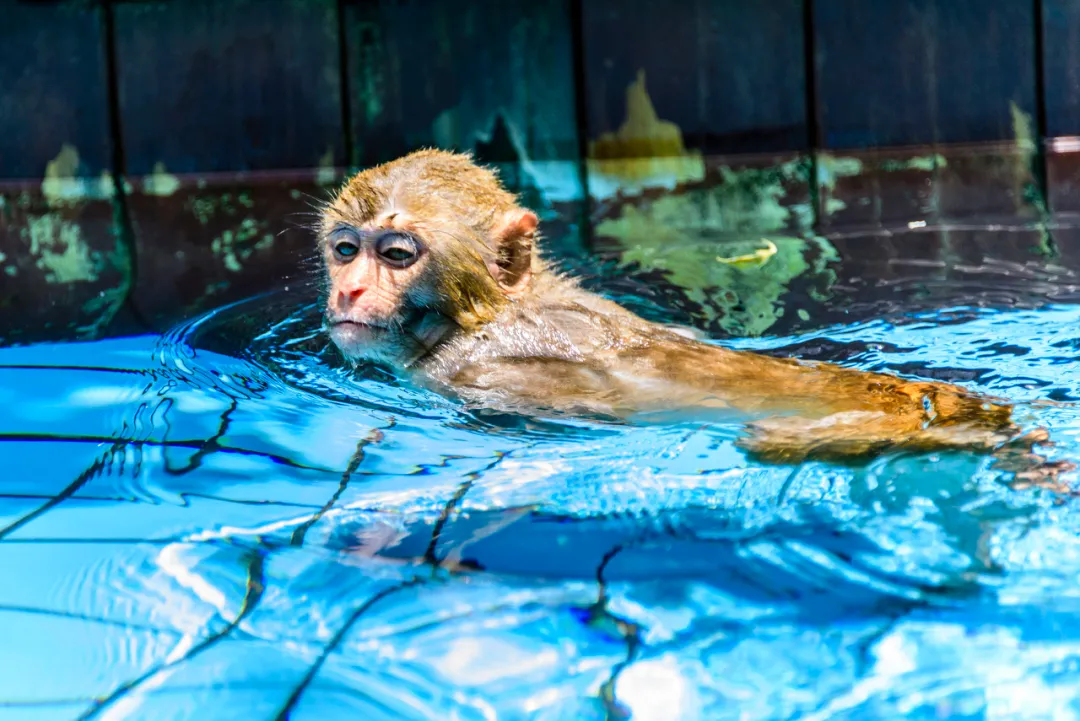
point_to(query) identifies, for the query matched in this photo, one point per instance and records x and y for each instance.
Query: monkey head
(419, 250)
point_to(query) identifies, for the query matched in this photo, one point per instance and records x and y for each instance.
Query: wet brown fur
(521, 337)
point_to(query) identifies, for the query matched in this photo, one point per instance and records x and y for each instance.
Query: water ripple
(229, 521)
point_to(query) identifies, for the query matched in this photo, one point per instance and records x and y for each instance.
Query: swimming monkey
(432, 269)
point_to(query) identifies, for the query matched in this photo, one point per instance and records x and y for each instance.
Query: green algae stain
(56, 243)
(829, 170)
(832, 168)
(160, 183)
(203, 208)
(925, 163)
(744, 200)
(223, 246)
(737, 277)
(59, 249)
(1022, 129)
(60, 172)
(752, 198)
(326, 173)
(62, 185)
(208, 207)
(244, 234)
(238, 245)
(1023, 177)
(1025, 187)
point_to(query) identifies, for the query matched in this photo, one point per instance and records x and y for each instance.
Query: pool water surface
(226, 522)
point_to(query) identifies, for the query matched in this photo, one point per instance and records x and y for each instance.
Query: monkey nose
(348, 296)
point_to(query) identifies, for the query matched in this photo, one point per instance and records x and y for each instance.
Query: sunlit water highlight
(226, 522)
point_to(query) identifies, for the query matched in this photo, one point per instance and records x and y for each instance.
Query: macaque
(433, 270)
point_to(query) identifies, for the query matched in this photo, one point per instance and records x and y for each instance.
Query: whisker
(319, 205)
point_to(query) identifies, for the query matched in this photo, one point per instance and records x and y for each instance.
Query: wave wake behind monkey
(433, 270)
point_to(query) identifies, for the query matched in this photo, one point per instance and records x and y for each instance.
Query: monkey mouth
(352, 324)
(356, 338)
(350, 334)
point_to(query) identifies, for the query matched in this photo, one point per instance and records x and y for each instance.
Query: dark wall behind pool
(161, 157)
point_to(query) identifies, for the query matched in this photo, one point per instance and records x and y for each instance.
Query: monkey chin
(390, 347)
(360, 341)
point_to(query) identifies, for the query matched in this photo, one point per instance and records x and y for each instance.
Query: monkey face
(378, 308)
(419, 249)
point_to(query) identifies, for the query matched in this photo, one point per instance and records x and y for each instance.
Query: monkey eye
(346, 247)
(397, 249)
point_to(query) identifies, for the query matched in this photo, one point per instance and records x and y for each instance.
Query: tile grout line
(255, 587)
(294, 698)
(81, 480)
(374, 436)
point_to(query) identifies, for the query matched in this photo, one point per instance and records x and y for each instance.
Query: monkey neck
(553, 318)
(479, 303)
(429, 330)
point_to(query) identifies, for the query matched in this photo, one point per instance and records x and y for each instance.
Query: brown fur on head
(462, 249)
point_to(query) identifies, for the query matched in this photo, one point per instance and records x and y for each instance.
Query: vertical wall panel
(52, 88)
(491, 77)
(229, 85)
(923, 71)
(1061, 58)
(232, 122)
(729, 75)
(63, 270)
(703, 94)
(662, 43)
(1061, 76)
(699, 163)
(754, 77)
(924, 74)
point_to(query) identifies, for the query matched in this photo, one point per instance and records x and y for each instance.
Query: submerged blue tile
(72, 658)
(520, 568)
(41, 712)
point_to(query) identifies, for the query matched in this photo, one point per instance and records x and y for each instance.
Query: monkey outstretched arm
(794, 410)
(853, 435)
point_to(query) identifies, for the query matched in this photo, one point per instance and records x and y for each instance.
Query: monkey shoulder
(537, 335)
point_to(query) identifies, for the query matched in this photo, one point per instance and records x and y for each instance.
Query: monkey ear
(513, 236)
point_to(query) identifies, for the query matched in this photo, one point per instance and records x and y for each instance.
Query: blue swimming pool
(225, 522)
